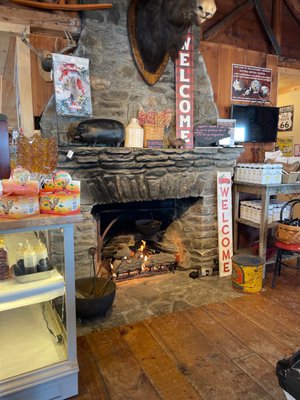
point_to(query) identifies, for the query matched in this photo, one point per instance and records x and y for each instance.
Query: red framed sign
(184, 71)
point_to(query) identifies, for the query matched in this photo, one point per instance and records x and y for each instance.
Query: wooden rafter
(41, 21)
(294, 6)
(227, 21)
(267, 26)
(277, 19)
(61, 5)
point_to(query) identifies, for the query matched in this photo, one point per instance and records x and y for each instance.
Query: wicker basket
(287, 233)
(153, 136)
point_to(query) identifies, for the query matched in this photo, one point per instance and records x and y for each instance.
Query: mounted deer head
(158, 28)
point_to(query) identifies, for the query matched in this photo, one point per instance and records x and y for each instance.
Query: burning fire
(142, 246)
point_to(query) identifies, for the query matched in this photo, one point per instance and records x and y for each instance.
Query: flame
(142, 246)
(144, 262)
(111, 266)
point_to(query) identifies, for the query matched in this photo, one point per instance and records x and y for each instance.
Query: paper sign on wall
(250, 83)
(224, 223)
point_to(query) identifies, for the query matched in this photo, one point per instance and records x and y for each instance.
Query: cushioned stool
(281, 249)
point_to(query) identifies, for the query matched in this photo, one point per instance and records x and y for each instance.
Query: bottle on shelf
(42, 257)
(30, 263)
(134, 136)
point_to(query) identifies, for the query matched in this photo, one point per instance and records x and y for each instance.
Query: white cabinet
(38, 358)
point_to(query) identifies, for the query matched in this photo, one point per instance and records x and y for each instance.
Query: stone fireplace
(118, 176)
(114, 176)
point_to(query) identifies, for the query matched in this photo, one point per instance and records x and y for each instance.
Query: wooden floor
(225, 351)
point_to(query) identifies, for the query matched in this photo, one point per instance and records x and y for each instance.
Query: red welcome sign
(224, 223)
(184, 71)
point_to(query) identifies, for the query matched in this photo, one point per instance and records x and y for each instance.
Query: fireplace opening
(140, 239)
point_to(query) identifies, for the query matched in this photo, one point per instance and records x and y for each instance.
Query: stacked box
(60, 196)
(19, 198)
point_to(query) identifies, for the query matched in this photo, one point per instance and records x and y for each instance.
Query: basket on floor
(153, 136)
(286, 233)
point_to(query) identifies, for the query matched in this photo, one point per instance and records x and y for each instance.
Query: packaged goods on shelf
(11, 187)
(50, 186)
(251, 210)
(17, 207)
(258, 173)
(60, 203)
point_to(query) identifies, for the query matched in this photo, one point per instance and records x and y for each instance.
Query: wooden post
(23, 88)
(1, 95)
(4, 149)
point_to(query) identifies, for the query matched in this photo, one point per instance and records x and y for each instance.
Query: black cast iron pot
(94, 300)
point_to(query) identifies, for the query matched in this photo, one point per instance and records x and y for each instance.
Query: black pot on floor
(102, 294)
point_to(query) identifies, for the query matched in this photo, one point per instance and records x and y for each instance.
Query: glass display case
(37, 309)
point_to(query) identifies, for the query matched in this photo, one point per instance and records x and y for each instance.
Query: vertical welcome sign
(224, 223)
(184, 71)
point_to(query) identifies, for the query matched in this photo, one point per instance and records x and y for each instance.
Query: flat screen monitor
(255, 123)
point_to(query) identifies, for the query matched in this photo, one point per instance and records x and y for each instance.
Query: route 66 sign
(286, 116)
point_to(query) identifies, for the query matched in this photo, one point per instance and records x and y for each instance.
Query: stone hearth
(112, 175)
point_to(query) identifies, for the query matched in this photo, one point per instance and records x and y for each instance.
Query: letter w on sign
(224, 223)
(184, 71)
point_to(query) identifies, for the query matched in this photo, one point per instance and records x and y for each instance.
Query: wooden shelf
(40, 220)
(255, 224)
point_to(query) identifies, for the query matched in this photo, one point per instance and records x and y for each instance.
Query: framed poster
(297, 150)
(250, 83)
(285, 145)
(72, 85)
(230, 124)
(286, 118)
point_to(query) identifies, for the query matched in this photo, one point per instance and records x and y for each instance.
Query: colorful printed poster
(285, 145)
(72, 85)
(286, 118)
(250, 83)
(297, 150)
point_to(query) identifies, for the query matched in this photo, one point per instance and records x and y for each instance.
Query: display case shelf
(14, 294)
(37, 318)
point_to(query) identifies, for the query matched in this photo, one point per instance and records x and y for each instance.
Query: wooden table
(265, 192)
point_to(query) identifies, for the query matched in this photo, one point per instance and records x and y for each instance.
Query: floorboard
(221, 351)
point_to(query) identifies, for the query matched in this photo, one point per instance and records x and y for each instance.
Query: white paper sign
(224, 223)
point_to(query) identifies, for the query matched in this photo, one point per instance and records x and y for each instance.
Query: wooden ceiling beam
(288, 63)
(277, 20)
(227, 21)
(41, 21)
(267, 27)
(294, 6)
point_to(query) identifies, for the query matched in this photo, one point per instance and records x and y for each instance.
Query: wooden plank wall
(42, 87)
(219, 59)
